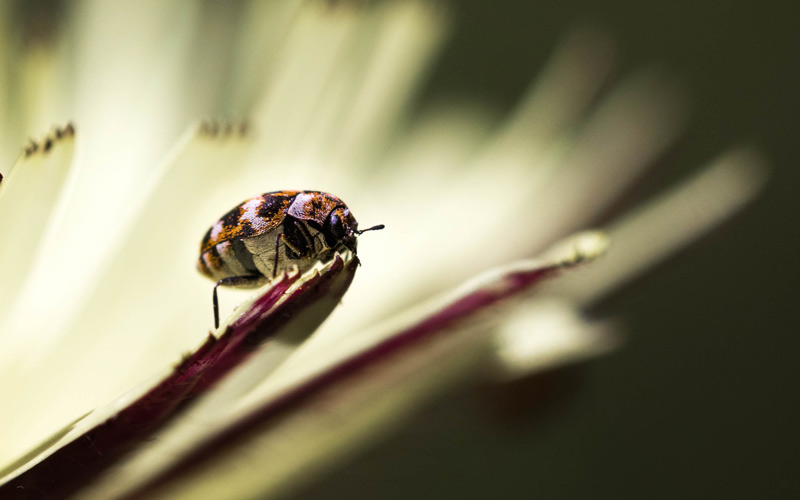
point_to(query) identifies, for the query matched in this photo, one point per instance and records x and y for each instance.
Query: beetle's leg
(275, 261)
(297, 251)
(304, 232)
(282, 239)
(229, 281)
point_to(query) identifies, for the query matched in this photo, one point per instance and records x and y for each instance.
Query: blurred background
(702, 401)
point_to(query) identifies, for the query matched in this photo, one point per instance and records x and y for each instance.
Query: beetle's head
(343, 228)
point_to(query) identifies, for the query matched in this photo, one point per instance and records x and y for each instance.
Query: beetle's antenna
(373, 228)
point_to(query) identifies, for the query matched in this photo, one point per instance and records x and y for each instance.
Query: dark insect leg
(307, 236)
(291, 247)
(300, 235)
(275, 261)
(298, 252)
(230, 281)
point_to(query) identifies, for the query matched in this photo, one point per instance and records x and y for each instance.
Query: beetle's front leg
(282, 239)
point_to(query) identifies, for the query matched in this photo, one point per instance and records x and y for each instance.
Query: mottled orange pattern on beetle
(314, 206)
(253, 217)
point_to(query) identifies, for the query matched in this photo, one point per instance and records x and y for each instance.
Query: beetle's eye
(337, 226)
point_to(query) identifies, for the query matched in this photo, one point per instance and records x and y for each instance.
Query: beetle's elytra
(273, 232)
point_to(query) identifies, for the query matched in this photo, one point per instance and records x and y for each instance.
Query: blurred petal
(546, 334)
(344, 77)
(615, 146)
(554, 104)
(154, 247)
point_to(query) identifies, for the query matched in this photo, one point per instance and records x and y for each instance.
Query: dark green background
(702, 402)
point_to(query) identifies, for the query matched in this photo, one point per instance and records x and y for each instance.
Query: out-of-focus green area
(702, 401)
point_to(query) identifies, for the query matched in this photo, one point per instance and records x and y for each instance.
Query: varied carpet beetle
(270, 233)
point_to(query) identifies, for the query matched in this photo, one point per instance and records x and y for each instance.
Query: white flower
(101, 232)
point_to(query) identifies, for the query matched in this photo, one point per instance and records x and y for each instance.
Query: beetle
(273, 232)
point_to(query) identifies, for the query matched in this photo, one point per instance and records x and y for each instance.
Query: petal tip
(49, 141)
(579, 248)
(220, 129)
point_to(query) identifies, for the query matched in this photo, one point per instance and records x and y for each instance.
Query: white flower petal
(29, 194)
(128, 117)
(134, 309)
